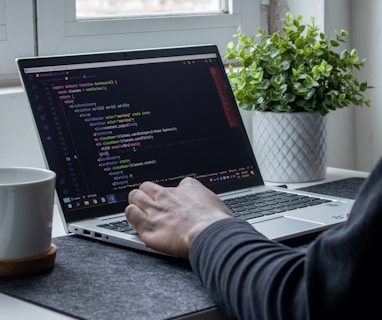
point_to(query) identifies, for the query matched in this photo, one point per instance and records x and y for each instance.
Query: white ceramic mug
(26, 212)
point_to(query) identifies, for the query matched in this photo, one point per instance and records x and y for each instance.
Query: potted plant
(296, 75)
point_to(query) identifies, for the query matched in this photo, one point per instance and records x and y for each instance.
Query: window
(88, 9)
(59, 30)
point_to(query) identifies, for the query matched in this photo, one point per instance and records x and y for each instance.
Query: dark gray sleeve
(251, 277)
(248, 276)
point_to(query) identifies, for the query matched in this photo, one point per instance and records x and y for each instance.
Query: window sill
(11, 90)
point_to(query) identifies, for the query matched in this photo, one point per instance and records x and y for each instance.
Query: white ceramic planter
(290, 147)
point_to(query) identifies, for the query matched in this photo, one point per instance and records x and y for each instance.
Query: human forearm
(247, 275)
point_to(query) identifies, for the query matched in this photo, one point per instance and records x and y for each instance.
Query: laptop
(109, 121)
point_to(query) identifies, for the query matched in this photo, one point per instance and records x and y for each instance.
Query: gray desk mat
(345, 188)
(94, 280)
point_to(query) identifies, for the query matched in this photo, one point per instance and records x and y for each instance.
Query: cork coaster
(23, 267)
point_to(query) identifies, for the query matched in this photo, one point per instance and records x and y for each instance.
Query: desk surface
(12, 308)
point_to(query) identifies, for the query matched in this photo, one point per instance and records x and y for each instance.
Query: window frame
(59, 32)
(15, 39)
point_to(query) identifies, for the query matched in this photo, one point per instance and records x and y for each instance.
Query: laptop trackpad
(283, 227)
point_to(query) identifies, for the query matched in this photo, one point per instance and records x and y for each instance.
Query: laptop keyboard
(269, 202)
(248, 207)
(121, 226)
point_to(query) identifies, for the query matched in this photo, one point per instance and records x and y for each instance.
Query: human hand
(169, 218)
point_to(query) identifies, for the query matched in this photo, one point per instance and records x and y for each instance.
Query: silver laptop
(109, 121)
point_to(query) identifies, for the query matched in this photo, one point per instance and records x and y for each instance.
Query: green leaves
(298, 71)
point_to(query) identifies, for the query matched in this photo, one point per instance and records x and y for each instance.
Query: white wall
(367, 38)
(341, 146)
(18, 141)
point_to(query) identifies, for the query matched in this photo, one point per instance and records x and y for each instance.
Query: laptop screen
(109, 121)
